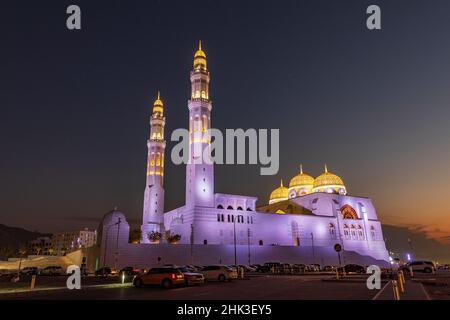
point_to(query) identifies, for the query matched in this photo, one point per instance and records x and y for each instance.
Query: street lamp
(234, 234)
(106, 242)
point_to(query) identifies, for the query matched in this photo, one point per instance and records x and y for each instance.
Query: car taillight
(173, 275)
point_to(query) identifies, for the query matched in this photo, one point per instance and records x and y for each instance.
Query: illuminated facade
(309, 212)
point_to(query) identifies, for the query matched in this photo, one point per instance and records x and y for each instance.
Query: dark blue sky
(373, 105)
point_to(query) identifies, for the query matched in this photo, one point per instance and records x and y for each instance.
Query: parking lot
(254, 287)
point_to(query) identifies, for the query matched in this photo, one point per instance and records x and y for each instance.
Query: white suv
(419, 266)
(221, 273)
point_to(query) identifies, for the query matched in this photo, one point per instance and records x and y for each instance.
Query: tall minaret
(152, 217)
(199, 171)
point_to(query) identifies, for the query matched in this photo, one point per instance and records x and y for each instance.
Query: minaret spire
(152, 216)
(199, 171)
(326, 169)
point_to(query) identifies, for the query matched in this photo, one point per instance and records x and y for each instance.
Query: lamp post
(192, 243)
(117, 244)
(410, 247)
(248, 242)
(106, 243)
(234, 234)
(312, 245)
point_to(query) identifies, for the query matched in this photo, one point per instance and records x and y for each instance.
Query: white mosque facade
(309, 213)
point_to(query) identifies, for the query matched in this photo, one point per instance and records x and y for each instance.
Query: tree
(154, 236)
(173, 238)
(51, 251)
(135, 236)
(6, 252)
(22, 252)
(38, 249)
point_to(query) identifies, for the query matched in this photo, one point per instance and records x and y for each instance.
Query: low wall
(146, 255)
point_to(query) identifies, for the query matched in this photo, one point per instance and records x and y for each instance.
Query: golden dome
(158, 105)
(328, 180)
(200, 58)
(279, 194)
(301, 180)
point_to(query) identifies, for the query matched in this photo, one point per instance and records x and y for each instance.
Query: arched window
(295, 233)
(230, 208)
(239, 208)
(353, 231)
(360, 233)
(348, 212)
(204, 123)
(220, 206)
(196, 124)
(249, 209)
(152, 159)
(261, 242)
(158, 159)
(332, 231)
(346, 232)
(373, 233)
(205, 241)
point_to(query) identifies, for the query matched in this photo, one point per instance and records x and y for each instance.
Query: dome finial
(301, 168)
(326, 168)
(281, 183)
(159, 98)
(199, 44)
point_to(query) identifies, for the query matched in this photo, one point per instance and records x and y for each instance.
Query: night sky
(373, 105)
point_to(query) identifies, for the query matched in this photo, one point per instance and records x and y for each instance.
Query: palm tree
(51, 251)
(22, 252)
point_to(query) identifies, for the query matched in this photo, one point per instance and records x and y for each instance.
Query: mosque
(309, 213)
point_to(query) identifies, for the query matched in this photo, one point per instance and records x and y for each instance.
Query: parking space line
(381, 291)
(425, 292)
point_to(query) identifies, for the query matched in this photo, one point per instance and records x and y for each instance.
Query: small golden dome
(158, 105)
(301, 180)
(200, 58)
(279, 194)
(328, 180)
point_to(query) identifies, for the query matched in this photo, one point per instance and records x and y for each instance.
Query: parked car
(329, 268)
(316, 267)
(29, 271)
(298, 268)
(129, 271)
(103, 271)
(419, 266)
(166, 277)
(269, 267)
(218, 272)
(53, 271)
(191, 277)
(354, 268)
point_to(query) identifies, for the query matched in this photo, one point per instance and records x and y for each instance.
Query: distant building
(64, 242)
(40, 246)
